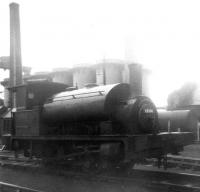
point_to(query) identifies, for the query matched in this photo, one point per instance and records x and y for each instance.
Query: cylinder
(100, 75)
(83, 76)
(135, 79)
(113, 73)
(65, 77)
(109, 73)
(145, 82)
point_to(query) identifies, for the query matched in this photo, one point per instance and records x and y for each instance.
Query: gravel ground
(191, 151)
(50, 183)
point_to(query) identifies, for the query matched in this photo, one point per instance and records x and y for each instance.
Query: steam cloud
(188, 94)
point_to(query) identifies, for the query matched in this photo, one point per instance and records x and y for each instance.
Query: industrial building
(102, 73)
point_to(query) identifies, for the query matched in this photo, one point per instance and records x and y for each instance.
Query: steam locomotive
(101, 126)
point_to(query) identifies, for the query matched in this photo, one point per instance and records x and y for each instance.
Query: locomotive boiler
(179, 120)
(102, 104)
(99, 126)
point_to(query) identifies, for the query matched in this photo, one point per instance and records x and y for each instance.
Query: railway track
(9, 160)
(184, 162)
(179, 161)
(152, 180)
(7, 187)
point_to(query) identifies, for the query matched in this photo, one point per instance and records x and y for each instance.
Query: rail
(164, 186)
(7, 187)
(182, 161)
(160, 180)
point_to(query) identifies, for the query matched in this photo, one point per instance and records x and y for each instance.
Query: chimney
(15, 51)
(135, 79)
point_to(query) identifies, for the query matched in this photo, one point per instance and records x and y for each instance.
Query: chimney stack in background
(15, 51)
(135, 79)
(146, 73)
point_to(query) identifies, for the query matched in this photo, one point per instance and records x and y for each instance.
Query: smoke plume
(186, 95)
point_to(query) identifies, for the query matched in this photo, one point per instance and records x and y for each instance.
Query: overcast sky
(163, 36)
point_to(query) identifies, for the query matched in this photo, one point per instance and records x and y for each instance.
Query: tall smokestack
(135, 79)
(15, 50)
